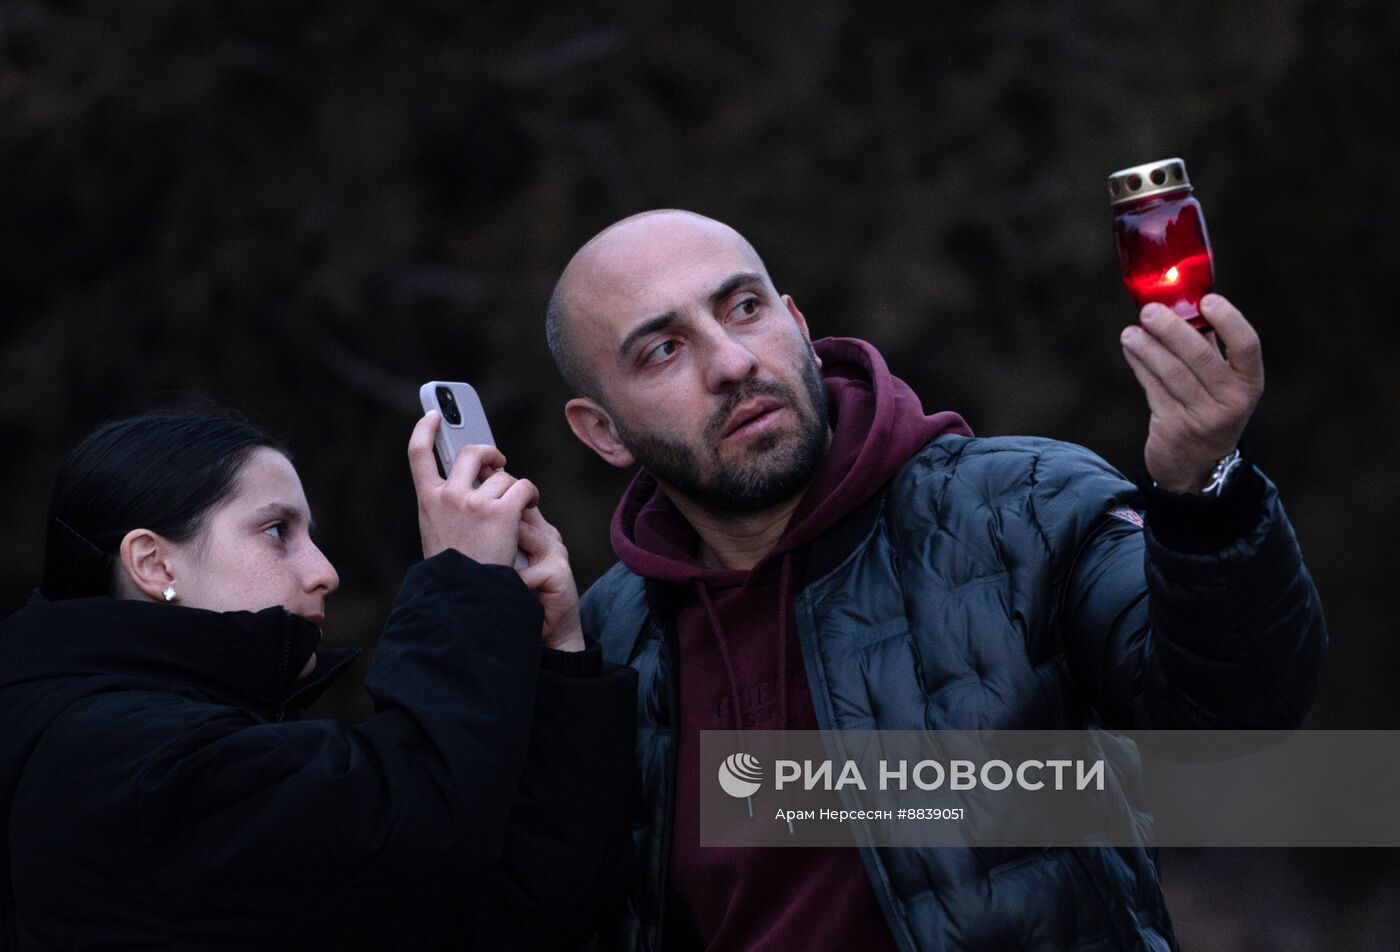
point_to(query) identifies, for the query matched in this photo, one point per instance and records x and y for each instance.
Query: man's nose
(728, 362)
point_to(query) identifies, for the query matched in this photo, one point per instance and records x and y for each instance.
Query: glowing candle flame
(1172, 275)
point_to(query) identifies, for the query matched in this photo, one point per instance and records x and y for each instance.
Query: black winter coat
(1005, 584)
(154, 795)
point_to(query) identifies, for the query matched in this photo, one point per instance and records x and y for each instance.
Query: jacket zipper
(668, 818)
(311, 685)
(820, 700)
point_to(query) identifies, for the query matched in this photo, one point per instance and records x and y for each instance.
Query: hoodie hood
(877, 424)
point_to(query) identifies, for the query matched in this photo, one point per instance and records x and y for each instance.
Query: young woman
(157, 790)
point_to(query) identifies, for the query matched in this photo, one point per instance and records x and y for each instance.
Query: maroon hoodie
(740, 666)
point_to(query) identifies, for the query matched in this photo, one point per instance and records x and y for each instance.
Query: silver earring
(168, 593)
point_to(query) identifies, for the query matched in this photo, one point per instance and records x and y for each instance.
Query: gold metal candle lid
(1140, 181)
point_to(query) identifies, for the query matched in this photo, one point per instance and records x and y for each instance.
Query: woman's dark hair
(162, 471)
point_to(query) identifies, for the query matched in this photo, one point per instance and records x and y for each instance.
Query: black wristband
(1194, 523)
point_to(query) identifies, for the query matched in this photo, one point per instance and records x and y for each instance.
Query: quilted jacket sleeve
(1226, 635)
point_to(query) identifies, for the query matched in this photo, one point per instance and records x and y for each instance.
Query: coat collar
(246, 659)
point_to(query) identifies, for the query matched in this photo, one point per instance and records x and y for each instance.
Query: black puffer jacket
(154, 796)
(1005, 584)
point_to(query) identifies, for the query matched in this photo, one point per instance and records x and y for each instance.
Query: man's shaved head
(689, 362)
(609, 262)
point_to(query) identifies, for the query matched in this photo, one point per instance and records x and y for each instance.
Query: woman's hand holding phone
(495, 521)
(551, 578)
(481, 521)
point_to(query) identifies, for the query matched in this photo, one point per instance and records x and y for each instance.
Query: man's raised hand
(1200, 400)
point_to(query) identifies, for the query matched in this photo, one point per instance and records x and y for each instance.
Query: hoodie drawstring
(784, 590)
(704, 593)
(784, 584)
(723, 643)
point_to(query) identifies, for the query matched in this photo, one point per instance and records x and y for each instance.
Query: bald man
(802, 547)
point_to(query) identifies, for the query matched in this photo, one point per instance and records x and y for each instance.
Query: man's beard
(767, 477)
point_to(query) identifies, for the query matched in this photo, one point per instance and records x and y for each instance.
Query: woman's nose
(321, 575)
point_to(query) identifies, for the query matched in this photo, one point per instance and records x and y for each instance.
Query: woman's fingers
(495, 486)
(550, 576)
(521, 495)
(537, 536)
(480, 521)
(468, 466)
(420, 453)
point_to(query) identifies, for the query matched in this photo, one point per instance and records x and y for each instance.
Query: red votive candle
(1160, 234)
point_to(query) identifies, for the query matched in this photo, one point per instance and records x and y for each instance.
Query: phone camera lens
(450, 413)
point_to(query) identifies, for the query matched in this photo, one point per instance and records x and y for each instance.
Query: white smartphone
(463, 424)
(463, 419)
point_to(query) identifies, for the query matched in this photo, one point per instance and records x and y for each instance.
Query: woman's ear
(145, 566)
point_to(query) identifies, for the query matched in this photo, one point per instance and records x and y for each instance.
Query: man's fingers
(1170, 370)
(420, 453)
(1158, 400)
(1241, 342)
(1200, 354)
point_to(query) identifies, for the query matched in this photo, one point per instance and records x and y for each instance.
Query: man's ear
(801, 323)
(146, 568)
(593, 425)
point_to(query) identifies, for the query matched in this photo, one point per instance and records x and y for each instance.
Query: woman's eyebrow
(281, 510)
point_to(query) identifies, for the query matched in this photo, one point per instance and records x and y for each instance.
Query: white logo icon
(741, 775)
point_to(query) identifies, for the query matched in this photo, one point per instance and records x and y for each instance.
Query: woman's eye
(277, 530)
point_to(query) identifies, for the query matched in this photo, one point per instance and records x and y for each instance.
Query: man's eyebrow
(662, 321)
(649, 326)
(733, 284)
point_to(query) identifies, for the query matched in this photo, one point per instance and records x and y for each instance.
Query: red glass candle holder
(1160, 233)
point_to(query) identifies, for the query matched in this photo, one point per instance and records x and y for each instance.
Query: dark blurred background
(303, 210)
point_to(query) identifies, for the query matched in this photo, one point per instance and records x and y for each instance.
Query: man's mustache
(719, 420)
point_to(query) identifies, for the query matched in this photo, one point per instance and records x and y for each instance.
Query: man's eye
(660, 352)
(277, 530)
(747, 308)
